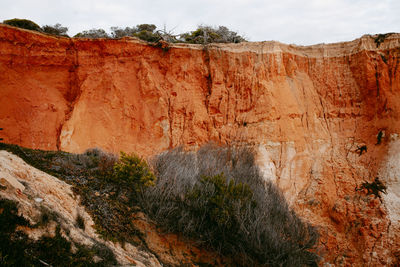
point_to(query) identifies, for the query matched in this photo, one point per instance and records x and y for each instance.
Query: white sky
(300, 22)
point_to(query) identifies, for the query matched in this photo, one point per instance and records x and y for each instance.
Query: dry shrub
(103, 161)
(198, 195)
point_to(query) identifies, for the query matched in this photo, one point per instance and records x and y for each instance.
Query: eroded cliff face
(307, 109)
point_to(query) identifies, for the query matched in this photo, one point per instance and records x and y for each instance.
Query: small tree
(208, 34)
(93, 33)
(147, 33)
(117, 32)
(23, 23)
(56, 29)
(134, 171)
(146, 27)
(218, 201)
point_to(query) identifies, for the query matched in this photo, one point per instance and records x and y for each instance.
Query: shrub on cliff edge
(207, 34)
(56, 29)
(23, 23)
(92, 34)
(146, 32)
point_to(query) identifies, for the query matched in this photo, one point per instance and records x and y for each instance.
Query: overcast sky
(300, 22)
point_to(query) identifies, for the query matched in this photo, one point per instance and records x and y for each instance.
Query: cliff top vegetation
(204, 34)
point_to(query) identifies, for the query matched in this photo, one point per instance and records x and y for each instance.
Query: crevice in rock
(183, 129)
(209, 82)
(377, 80)
(170, 121)
(74, 88)
(206, 55)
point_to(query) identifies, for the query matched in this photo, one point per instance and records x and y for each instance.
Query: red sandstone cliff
(307, 109)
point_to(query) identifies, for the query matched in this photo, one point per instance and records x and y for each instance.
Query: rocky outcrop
(308, 109)
(39, 194)
(43, 192)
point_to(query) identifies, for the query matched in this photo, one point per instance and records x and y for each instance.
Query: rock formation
(308, 109)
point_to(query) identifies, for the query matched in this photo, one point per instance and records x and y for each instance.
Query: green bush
(117, 32)
(207, 34)
(217, 200)
(134, 171)
(218, 205)
(92, 34)
(146, 27)
(23, 23)
(147, 36)
(144, 32)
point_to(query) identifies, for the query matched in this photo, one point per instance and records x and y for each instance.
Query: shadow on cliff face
(215, 197)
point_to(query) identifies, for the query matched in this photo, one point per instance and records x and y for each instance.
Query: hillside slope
(308, 109)
(102, 231)
(39, 194)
